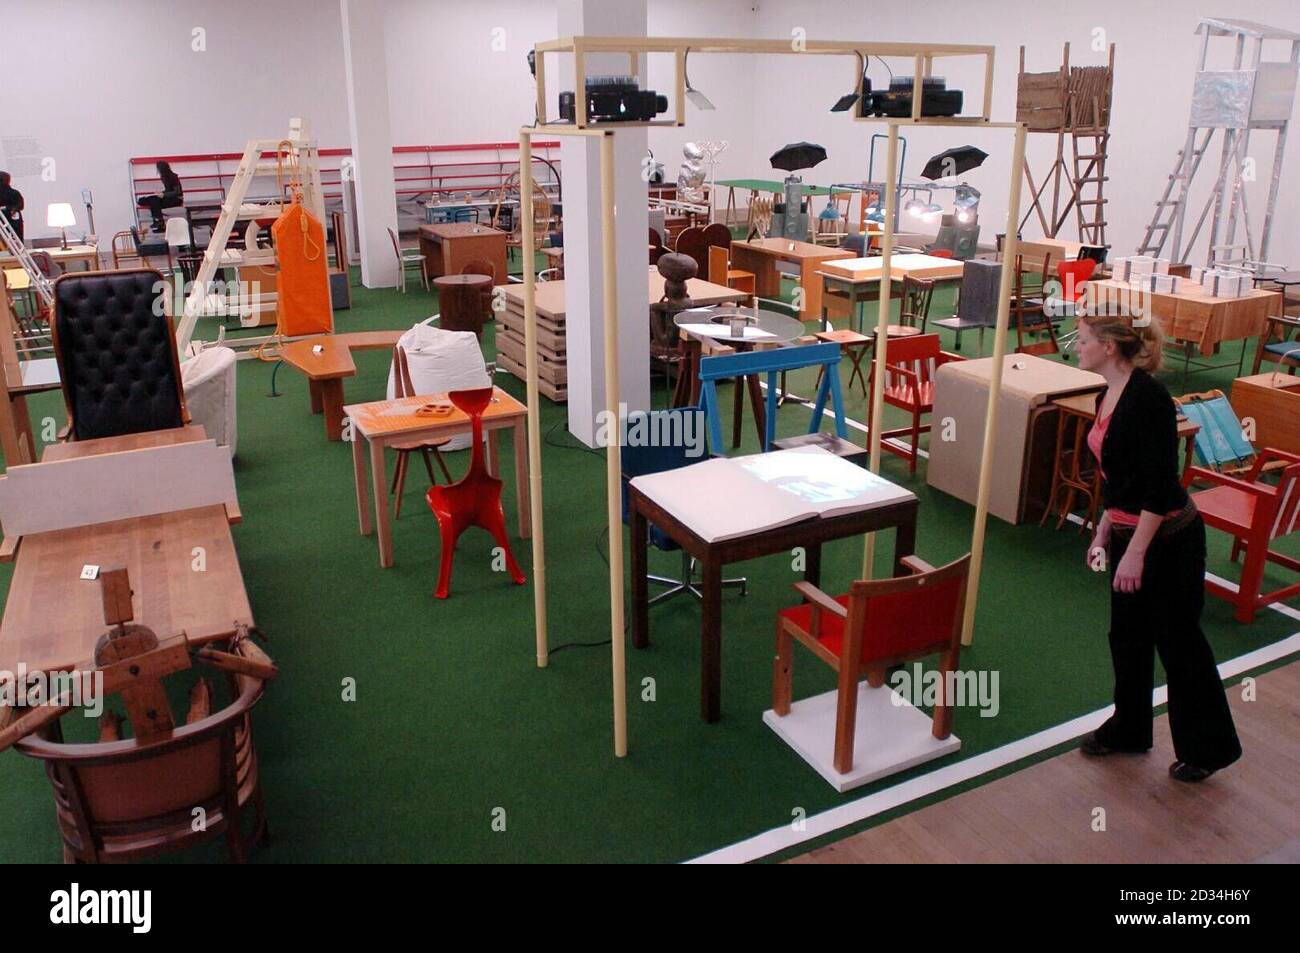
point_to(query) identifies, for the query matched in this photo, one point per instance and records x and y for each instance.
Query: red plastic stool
(475, 500)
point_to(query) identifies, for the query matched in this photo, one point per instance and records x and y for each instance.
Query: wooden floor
(1044, 813)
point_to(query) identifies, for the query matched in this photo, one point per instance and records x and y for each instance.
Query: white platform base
(889, 738)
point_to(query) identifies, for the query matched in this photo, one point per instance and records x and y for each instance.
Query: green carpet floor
(454, 726)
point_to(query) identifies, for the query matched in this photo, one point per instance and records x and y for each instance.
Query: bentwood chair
(878, 623)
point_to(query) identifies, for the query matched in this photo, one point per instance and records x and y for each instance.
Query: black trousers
(156, 203)
(1164, 616)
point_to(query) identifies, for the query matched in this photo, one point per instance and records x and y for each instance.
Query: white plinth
(889, 737)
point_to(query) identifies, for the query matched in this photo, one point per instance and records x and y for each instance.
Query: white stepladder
(10, 240)
(1256, 94)
(295, 156)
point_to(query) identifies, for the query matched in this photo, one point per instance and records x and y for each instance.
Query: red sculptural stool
(475, 500)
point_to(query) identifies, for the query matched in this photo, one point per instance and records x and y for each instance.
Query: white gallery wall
(95, 82)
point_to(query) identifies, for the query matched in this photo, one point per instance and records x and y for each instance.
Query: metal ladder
(44, 287)
(1235, 102)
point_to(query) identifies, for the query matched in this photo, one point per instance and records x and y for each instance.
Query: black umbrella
(798, 155)
(953, 162)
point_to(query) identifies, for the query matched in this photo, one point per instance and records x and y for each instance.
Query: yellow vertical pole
(1009, 247)
(613, 464)
(534, 399)
(882, 327)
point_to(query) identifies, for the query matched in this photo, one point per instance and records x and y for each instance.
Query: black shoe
(1190, 773)
(1094, 747)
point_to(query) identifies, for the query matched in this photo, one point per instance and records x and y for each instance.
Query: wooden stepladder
(296, 154)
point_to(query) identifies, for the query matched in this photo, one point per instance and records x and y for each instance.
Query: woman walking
(1154, 541)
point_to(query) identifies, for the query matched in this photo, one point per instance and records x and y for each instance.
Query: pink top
(1095, 437)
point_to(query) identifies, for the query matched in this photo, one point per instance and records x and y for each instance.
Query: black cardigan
(1139, 455)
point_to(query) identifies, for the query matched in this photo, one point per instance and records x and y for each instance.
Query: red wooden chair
(878, 623)
(475, 500)
(1255, 513)
(909, 385)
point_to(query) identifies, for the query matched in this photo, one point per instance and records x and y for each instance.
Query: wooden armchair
(1280, 343)
(914, 312)
(909, 385)
(878, 623)
(1255, 513)
(121, 799)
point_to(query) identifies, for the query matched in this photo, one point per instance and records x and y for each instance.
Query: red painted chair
(1255, 513)
(877, 624)
(475, 500)
(909, 385)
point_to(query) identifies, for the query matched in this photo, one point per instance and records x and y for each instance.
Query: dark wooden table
(809, 534)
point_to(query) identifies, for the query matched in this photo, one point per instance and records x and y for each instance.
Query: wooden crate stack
(552, 358)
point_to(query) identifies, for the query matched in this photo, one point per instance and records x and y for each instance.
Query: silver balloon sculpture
(690, 178)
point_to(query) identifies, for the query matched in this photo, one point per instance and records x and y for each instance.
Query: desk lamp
(59, 215)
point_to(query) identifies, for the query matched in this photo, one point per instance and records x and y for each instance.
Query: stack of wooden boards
(552, 360)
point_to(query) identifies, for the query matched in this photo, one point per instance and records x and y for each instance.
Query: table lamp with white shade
(59, 215)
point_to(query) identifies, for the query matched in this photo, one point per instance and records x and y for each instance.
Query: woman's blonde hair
(1144, 348)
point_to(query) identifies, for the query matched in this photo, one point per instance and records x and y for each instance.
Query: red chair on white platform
(877, 624)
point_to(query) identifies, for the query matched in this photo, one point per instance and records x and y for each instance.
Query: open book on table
(723, 498)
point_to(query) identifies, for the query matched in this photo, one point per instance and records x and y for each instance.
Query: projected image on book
(724, 498)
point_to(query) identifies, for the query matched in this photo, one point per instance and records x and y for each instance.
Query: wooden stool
(460, 301)
(855, 346)
(1069, 476)
(827, 441)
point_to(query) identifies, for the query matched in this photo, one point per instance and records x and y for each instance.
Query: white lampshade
(59, 215)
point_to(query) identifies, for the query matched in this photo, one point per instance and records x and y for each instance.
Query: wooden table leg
(639, 543)
(812, 571)
(313, 389)
(904, 542)
(522, 498)
(359, 477)
(494, 454)
(379, 485)
(331, 393)
(711, 640)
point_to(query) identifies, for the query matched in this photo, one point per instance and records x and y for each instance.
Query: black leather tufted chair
(117, 357)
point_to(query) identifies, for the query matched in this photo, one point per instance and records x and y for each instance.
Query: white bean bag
(209, 382)
(442, 361)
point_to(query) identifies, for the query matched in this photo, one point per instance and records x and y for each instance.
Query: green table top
(770, 185)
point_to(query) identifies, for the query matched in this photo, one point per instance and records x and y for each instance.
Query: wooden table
(1070, 475)
(87, 254)
(375, 427)
(810, 534)
(53, 618)
(327, 370)
(461, 302)
(858, 279)
(1191, 317)
(761, 255)
(449, 247)
(1273, 401)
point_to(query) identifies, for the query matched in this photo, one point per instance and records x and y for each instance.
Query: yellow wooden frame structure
(923, 56)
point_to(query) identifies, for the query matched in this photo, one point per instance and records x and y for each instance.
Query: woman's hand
(1128, 574)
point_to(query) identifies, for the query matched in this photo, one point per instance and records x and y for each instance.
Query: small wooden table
(1273, 402)
(1071, 474)
(810, 534)
(460, 302)
(386, 422)
(86, 254)
(53, 617)
(858, 279)
(449, 247)
(326, 370)
(761, 255)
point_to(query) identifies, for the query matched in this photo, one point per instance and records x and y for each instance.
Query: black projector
(896, 102)
(614, 99)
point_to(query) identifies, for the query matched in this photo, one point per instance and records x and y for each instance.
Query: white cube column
(584, 287)
(372, 141)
